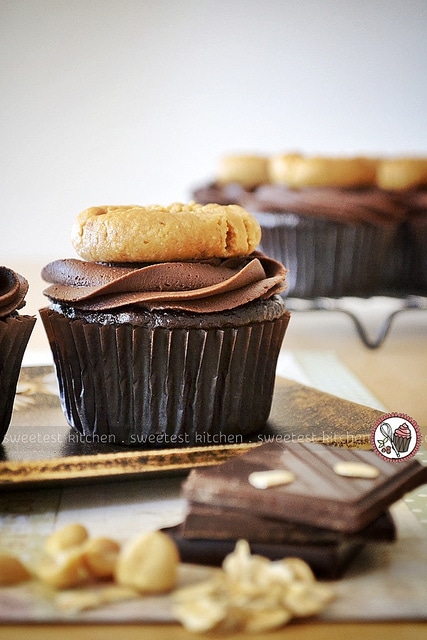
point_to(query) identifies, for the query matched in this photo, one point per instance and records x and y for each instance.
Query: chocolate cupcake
(327, 220)
(15, 331)
(333, 241)
(164, 352)
(333, 220)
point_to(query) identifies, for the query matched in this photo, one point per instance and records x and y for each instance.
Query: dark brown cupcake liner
(396, 269)
(15, 332)
(324, 258)
(401, 444)
(417, 246)
(141, 386)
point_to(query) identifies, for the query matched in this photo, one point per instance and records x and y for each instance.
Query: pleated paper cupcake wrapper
(417, 244)
(15, 331)
(398, 269)
(401, 444)
(164, 387)
(325, 258)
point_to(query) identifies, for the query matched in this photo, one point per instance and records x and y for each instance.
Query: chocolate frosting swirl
(198, 287)
(351, 206)
(13, 289)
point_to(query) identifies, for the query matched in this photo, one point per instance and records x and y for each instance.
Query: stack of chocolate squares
(317, 502)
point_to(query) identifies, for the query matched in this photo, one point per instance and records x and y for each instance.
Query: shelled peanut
(249, 593)
(71, 558)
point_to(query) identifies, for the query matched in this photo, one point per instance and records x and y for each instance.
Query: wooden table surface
(396, 374)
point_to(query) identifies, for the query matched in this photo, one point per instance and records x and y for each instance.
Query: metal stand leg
(331, 304)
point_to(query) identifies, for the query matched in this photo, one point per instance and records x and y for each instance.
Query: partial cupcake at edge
(15, 332)
(167, 329)
(344, 226)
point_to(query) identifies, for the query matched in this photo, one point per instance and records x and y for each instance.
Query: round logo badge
(396, 437)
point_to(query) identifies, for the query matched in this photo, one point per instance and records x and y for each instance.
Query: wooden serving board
(40, 448)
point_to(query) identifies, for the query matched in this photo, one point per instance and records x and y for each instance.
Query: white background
(126, 101)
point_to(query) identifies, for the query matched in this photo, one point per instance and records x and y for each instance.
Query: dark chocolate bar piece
(327, 561)
(223, 523)
(317, 496)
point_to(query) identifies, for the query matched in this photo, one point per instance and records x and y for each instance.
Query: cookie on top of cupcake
(168, 330)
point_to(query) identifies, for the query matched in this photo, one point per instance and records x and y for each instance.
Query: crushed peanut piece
(351, 469)
(271, 478)
(251, 594)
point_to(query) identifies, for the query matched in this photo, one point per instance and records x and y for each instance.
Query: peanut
(271, 478)
(64, 571)
(148, 563)
(100, 555)
(71, 535)
(12, 571)
(351, 469)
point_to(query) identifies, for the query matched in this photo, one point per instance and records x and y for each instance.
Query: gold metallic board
(41, 449)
